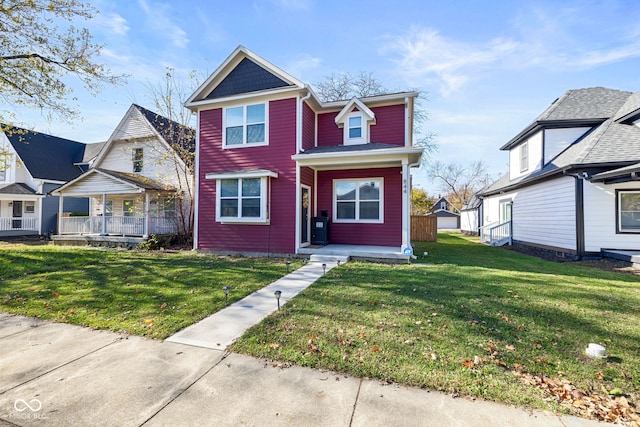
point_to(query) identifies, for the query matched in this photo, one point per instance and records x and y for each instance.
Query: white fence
(20, 223)
(117, 225)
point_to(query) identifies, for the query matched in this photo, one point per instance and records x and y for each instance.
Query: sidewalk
(222, 328)
(69, 375)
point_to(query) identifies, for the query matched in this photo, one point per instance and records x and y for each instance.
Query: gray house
(573, 185)
(33, 164)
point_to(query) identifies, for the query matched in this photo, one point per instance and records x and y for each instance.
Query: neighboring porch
(365, 252)
(20, 210)
(497, 234)
(126, 209)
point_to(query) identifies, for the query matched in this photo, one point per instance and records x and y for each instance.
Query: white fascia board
(354, 103)
(392, 155)
(242, 174)
(373, 99)
(249, 97)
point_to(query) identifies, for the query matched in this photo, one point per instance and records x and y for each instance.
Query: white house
(31, 165)
(573, 182)
(140, 184)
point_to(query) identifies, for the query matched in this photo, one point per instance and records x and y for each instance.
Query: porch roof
(104, 181)
(373, 154)
(17, 188)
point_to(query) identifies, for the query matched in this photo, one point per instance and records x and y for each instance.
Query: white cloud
(159, 19)
(428, 57)
(113, 23)
(302, 65)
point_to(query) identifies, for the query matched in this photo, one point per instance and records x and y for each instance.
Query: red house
(273, 161)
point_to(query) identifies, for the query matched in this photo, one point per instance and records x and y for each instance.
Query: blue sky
(487, 68)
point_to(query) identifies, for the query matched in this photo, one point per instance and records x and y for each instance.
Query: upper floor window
(443, 205)
(355, 131)
(355, 127)
(245, 125)
(524, 157)
(137, 159)
(4, 165)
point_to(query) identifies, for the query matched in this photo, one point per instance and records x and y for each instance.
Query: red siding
(279, 237)
(387, 234)
(328, 132)
(389, 127)
(308, 127)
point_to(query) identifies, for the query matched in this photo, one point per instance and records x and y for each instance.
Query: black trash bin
(320, 230)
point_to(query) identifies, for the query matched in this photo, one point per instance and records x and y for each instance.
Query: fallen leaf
(468, 364)
(600, 375)
(148, 322)
(274, 346)
(375, 349)
(510, 347)
(163, 306)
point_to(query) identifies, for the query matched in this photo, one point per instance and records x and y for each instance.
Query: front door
(304, 220)
(17, 214)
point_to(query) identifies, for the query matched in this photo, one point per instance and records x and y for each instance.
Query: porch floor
(376, 253)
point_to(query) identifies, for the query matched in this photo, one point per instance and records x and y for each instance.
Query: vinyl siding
(279, 236)
(600, 218)
(469, 221)
(387, 234)
(545, 214)
(308, 127)
(534, 157)
(389, 127)
(558, 140)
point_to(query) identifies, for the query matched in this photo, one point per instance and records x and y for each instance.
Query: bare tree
(459, 182)
(343, 86)
(39, 48)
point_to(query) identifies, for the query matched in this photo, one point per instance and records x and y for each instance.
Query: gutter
(579, 219)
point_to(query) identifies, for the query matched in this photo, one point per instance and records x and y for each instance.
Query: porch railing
(116, 225)
(19, 223)
(496, 234)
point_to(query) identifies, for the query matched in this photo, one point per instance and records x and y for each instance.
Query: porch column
(104, 214)
(147, 217)
(60, 212)
(406, 204)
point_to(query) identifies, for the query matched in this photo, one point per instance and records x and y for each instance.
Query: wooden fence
(424, 228)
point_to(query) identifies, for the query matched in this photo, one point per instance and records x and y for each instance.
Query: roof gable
(242, 72)
(355, 103)
(45, 156)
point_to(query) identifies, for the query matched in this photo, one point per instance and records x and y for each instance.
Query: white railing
(496, 234)
(117, 225)
(19, 223)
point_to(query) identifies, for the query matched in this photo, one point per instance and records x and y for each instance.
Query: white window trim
(133, 159)
(364, 126)
(524, 149)
(358, 181)
(620, 229)
(244, 127)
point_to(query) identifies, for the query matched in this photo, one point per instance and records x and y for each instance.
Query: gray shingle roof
(16, 188)
(140, 181)
(588, 103)
(347, 148)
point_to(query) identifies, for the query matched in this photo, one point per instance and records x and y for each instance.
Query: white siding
(133, 127)
(557, 140)
(491, 207)
(545, 214)
(600, 218)
(534, 157)
(469, 221)
(96, 183)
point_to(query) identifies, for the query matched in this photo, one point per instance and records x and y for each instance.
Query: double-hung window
(137, 157)
(242, 197)
(245, 125)
(628, 207)
(358, 200)
(524, 157)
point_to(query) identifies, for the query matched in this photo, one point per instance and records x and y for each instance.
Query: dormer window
(524, 157)
(355, 118)
(355, 127)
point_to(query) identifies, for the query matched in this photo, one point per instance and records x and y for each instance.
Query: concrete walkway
(63, 375)
(222, 328)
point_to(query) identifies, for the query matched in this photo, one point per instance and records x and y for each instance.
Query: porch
(19, 226)
(391, 254)
(133, 226)
(496, 234)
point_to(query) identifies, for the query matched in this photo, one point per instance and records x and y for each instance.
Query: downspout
(579, 203)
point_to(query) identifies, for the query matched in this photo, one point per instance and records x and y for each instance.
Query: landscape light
(226, 294)
(324, 268)
(277, 294)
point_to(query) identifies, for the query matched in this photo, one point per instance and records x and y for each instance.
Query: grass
(152, 294)
(463, 320)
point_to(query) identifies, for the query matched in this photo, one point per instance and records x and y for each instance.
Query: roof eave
(549, 124)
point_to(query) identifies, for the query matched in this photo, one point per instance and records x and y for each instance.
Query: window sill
(259, 221)
(254, 144)
(358, 221)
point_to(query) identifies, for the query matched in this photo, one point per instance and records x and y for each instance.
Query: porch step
(329, 259)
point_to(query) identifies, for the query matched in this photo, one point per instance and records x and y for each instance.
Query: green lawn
(153, 294)
(466, 319)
